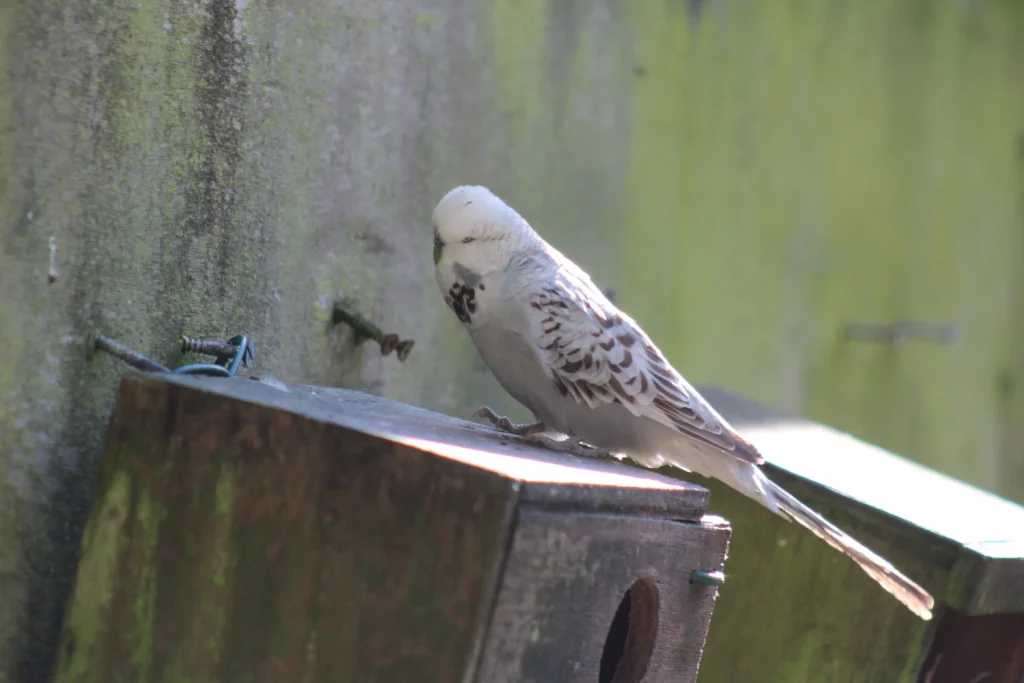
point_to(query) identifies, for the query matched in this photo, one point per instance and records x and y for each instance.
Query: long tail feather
(917, 599)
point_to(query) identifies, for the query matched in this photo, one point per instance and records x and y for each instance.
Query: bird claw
(506, 425)
(532, 432)
(574, 446)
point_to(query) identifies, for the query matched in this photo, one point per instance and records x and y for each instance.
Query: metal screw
(715, 578)
(236, 352)
(122, 352)
(207, 347)
(365, 329)
(232, 354)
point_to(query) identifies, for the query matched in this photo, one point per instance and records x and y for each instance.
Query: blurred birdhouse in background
(817, 613)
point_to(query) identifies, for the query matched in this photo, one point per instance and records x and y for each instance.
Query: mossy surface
(256, 553)
(830, 164)
(747, 177)
(823, 165)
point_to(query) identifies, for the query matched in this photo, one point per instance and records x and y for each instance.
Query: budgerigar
(585, 369)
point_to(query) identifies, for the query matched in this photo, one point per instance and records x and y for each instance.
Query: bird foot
(506, 425)
(532, 432)
(574, 446)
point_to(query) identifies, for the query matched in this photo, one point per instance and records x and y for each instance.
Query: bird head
(476, 229)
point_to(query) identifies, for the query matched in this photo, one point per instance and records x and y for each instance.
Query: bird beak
(438, 246)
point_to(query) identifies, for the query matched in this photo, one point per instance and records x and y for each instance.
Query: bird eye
(467, 240)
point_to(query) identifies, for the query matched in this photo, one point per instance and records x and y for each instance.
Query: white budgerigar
(585, 369)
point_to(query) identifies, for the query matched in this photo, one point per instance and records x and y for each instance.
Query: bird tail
(888, 577)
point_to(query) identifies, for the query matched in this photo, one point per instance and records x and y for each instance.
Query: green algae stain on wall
(658, 171)
(815, 166)
(563, 74)
(6, 142)
(748, 178)
(7, 371)
(520, 68)
(795, 169)
(209, 169)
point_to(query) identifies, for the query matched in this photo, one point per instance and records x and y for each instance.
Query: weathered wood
(248, 532)
(977, 649)
(779, 167)
(587, 563)
(818, 617)
(547, 478)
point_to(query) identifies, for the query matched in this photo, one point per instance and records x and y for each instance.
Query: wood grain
(248, 532)
(546, 477)
(976, 649)
(565, 578)
(237, 541)
(895, 498)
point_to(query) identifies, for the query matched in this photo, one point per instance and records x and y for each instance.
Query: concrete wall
(748, 176)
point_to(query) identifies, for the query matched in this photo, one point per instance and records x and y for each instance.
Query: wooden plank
(564, 580)
(794, 610)
(904, 500)
(546, 477)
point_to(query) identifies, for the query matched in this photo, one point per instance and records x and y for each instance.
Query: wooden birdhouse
(796, 610)
(243, 531)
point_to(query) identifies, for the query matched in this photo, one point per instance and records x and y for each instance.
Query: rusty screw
(365, 329)
(207, 347)
(122, 352)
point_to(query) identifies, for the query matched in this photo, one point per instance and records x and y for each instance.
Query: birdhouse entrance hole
(630, 640)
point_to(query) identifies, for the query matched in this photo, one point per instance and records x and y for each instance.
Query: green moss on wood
(104, 540)
(145, 568)
(815, 614)
(778, 169)
(274, 508)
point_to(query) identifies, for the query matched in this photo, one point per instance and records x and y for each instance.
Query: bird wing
(596, 354)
